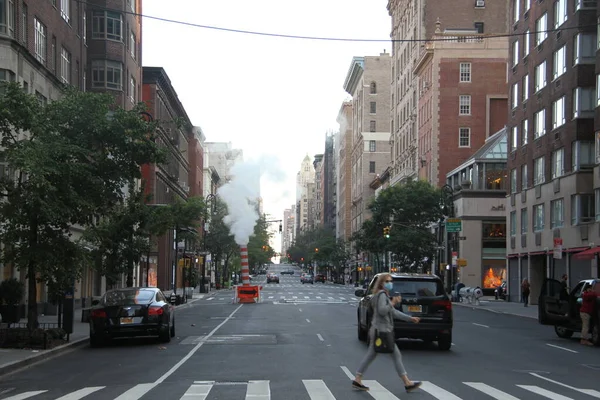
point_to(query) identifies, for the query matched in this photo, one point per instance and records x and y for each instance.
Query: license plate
(128, 320)
(416, 309)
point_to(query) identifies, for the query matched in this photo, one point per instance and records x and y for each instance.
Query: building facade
(462, 98)
(287, 235)
(414, 21)
(317, 201)
(554, 90)
(367, 82)
(343, 207)
(305, 182)
(329, 183)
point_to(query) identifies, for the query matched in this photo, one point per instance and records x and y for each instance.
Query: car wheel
(165, 335)
(445, 342)
(173, 328)
(563, 332)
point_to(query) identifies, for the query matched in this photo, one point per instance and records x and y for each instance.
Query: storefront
(493, 255)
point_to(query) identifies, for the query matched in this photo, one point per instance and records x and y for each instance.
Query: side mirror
(359, 293)
(95, 302)
(365, 286)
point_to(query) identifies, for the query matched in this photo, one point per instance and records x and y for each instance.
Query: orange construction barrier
(247, 294)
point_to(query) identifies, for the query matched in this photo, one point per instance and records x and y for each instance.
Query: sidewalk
(488, 303)
(13, 359)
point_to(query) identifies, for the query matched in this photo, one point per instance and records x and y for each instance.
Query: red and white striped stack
(245, 270)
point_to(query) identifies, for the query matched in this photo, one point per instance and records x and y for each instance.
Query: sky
(270, 96)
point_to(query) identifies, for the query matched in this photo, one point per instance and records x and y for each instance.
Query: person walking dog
(381, 334)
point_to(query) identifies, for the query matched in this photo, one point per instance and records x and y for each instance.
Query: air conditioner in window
(480, 3)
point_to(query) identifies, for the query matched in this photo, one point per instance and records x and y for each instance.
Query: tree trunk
(32, 313)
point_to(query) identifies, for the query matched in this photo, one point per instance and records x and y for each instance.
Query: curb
(493, 311)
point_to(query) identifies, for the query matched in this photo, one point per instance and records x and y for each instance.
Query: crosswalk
(537, 387)
(295, 297)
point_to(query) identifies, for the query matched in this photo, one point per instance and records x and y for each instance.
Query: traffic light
(386, 232)
(280, 228)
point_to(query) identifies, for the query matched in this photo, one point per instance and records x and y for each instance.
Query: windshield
(418, 288)
(127, 297)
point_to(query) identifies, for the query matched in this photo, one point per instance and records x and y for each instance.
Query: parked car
(423, 296)
(320, 278)
(131, 312)
(272, 278)
(307, 278)
(288, 272)
(561, 309)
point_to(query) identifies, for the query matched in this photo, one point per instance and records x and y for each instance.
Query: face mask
(388, 285)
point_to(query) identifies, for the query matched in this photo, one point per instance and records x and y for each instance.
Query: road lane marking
(320, 337)
(81, 393)
(543, 392)
(562, 348)
(197, 391)
(347, 372)
(317, 389)
(319, 297)
(26, 395)
(300, 309)
(306, 297)
(258, 390)
(137, 391)
(294, 297)
(484, 326)
(378, 392)
(308, 320)
(490, 391)
(438, 392)
(589, 392)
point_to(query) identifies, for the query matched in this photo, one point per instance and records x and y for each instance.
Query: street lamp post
(447, 205)
(213, 205)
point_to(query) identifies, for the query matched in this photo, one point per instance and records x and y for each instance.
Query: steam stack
(245, 270)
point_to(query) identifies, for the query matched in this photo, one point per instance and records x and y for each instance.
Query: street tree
(218, 240)
(67, 162)
(259, 247)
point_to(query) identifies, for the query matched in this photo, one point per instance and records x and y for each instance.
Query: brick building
(554, 91)
(343, 168)
(414, 21)
(463, 99)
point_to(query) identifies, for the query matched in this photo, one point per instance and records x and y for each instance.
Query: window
(558, 113)
(557, 213)
(597, 203)
(582, 155)
(538, 171)
(107, 25)
(513, 223)
(513, 180)
(541, 26)
(464, 137)
(559, 62)
(560, 12)
(373, 88)
(538, 217)
(107, 74)
(526, 43)
(584, 102)
(525, 88)
(598, 88)
(40, 41)
(515, 95)
(65, 10)
(517, 10)
(558, 163)
(132, 45)
(597, 147)
(465, 72)
(524, 132)
(524, 177)
(524, 221)
(7, 17)
(539, 120)
(371, 167)
(514, 138)
(527, 5)
(515, 53)
(65, 66)
(583, 209)
(585, 4)
(131, 4)
(584, 48)
(373, 107)
(540, 76)
(24, 23)
(372, 146)
(464, 105)
(132, 89)
(372, 126)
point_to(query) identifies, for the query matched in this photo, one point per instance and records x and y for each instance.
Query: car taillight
(155, 311)
(98, 314)
(447, 304)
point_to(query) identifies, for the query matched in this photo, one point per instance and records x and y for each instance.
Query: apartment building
(413, 22)
(329, 183)
(367, 82)
(462, 98)
(343, 206)
(553, 205)
(305, 192)
(287, 235)
(317, 211)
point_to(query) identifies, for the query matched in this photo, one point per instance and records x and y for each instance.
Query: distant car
(131, 312)
(423, 296)
(320, 278)
(272, 278)
(307, 278)
(288, 272)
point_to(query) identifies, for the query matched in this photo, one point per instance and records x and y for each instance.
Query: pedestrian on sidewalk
(384, 314)
(588, 303)
(525, 290)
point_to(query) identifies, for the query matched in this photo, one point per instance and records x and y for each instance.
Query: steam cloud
(241, 194)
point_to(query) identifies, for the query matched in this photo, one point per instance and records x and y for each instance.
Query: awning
(588, 254)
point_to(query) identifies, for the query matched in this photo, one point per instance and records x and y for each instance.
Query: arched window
(373, 88)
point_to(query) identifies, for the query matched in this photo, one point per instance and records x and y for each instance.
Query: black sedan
(131, 312)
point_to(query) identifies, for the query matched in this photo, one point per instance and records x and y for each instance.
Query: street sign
(453, 225)
(462, 238)
(558, 248)
(462, 262)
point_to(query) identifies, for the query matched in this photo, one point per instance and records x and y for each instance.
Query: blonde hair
(380, 282)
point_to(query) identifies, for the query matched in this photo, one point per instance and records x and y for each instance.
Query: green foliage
(259, 248)
(69, 160)
(11, 292)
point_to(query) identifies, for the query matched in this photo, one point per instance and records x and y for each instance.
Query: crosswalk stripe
(490, 391)
(543, 392)
(438, 392)
(258, 390)
(378, 392)
(81, 393)
(306, 297)
(317, 389)
(137, 391)
(589, 392)
(26, 395)
(197, 392)
(319, 297)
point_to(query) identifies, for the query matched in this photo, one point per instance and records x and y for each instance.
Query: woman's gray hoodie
(385, 313)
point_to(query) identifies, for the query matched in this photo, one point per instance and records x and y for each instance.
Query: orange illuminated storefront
(493, 255)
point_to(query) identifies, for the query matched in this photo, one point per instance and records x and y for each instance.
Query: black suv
(423, 296)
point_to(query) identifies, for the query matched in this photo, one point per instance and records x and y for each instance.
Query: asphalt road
(298, 351)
